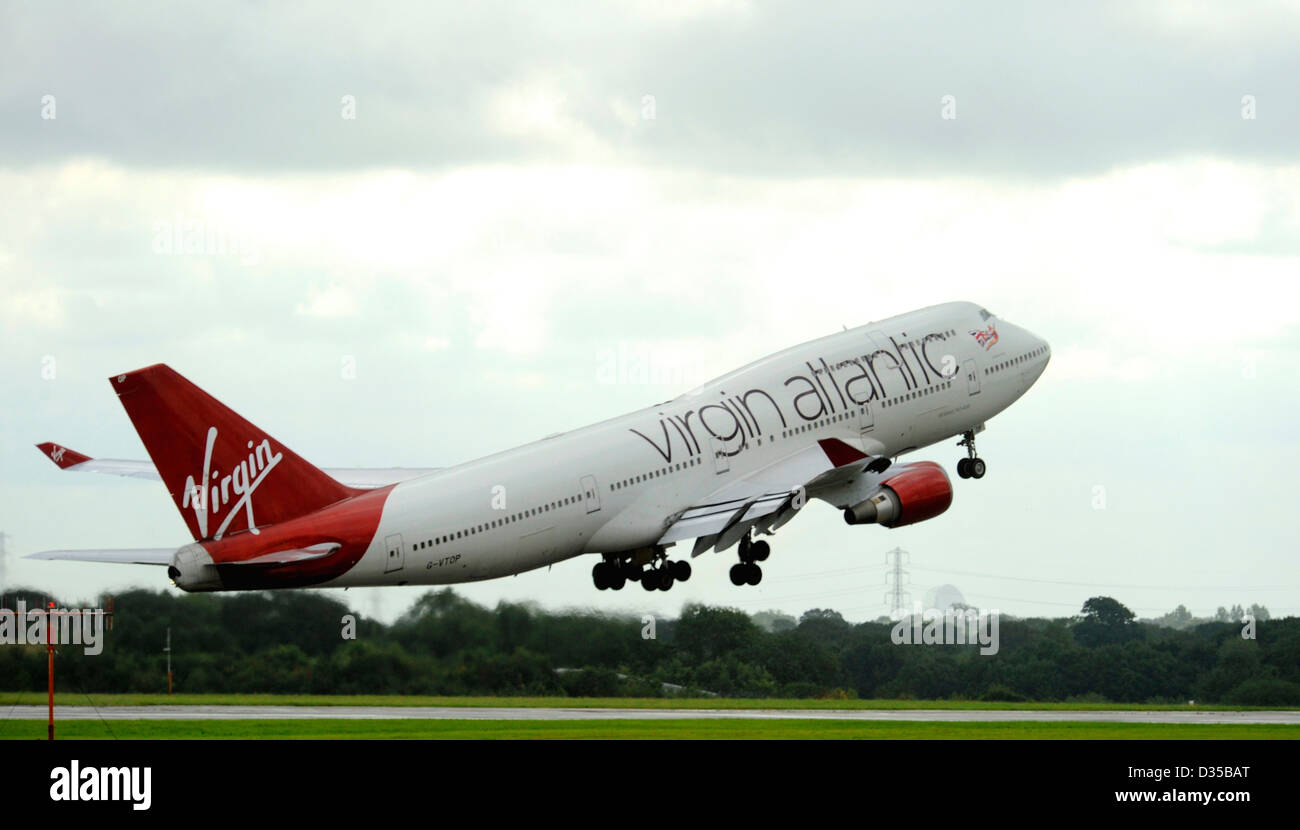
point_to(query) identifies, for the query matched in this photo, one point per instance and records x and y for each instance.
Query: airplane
(722, 465)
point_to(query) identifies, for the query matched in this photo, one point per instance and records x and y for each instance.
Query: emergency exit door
(972, 378)
(396, 553)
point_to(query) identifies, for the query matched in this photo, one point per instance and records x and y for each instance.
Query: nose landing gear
(972, 466)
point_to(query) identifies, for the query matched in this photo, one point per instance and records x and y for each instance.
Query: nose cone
(1026, 352)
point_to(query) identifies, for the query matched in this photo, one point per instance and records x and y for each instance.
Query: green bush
(1265, 691)
(998, 692)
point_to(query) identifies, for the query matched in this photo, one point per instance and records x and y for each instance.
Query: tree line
(303, 642)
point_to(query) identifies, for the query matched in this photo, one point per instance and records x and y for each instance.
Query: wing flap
(765, 497)
(717, 518)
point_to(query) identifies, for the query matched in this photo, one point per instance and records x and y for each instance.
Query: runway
(1291, 717)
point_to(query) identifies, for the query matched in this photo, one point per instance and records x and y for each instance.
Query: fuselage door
(879, 341)
(972, 378)
(866, 420)
(396, 557)
(590, 492)
(721, 461)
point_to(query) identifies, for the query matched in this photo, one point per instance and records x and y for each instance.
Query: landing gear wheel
(681, 570)
(632, 573)
(649, 580)
(600, 576)
(617, 581)
(665, 579)
(753, 574)
(739, 573)
(759, 551)
(972, 466)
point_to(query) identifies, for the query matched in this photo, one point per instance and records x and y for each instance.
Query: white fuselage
(887, 388)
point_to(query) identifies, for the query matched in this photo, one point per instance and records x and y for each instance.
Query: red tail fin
(224, 474)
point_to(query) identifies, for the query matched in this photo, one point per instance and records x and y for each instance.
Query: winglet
(62, 456)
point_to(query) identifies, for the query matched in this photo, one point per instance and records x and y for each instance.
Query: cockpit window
(984, 314)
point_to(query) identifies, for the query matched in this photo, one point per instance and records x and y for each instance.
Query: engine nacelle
(920, 491)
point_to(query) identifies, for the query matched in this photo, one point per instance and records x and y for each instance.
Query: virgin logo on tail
(212, 489)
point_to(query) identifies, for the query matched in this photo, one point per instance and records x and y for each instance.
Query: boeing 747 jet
(714, 469)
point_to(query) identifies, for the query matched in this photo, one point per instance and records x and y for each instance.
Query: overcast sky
(499, 213)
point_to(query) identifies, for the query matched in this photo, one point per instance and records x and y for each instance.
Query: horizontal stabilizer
(120, 556)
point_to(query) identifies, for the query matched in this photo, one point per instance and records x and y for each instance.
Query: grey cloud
(783, 89)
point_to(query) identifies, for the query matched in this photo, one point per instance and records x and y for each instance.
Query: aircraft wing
(362, 478)
(768, 498)
(368, 478)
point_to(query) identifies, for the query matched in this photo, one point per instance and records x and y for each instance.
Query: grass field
(631, 730)
(621, 729)
(8, 699)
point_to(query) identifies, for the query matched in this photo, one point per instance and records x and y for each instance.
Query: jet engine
(919, 491)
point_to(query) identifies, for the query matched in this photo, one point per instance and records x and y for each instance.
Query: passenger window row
(914, 394)
(786, 433)
(495, 523)
(1016, 361)
(662, 471)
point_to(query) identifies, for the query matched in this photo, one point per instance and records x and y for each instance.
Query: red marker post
(49, 646)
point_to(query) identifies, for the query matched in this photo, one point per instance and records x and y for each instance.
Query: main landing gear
(972, 466)
(746, 571)
(657, 572)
